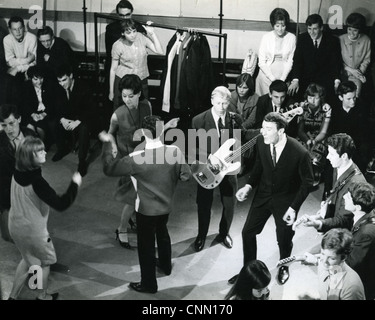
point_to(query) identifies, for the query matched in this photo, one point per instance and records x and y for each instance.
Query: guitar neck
(247, 146)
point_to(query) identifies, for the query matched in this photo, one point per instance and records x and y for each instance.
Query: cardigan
(267, 53)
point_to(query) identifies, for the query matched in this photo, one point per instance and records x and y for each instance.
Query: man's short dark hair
(6, 110)
(278, 86)
(15, 19)
(342, 143)
(149, 125)
(363, 194)
(346, 87)
(64, 70)
(313, 19)
(124, 4)
(45, 30)
(281, 122)
(35, 71)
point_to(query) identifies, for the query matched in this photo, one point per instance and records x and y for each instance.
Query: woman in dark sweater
(31, 199)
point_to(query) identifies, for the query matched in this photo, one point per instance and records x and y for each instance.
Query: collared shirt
(275, 108)
(16, 141)
(216, 119)
(340, 171)
(358, 216)
(280, 145)
(318, 40)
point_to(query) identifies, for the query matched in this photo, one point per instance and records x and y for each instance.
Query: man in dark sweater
(154, 166)
(52, 52)
(11, 136)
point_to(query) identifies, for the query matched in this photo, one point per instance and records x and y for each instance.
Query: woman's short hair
(253, 275)
(314, 89)
(281, 122)
(131, 82)
(342, 143)
(128, 25)
(363, 194)
(279, 14)
(338, 240)
(246, 78)
(357, 21)
(26, 152)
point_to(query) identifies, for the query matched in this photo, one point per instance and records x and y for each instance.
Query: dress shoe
(233, 279)
(166, 271)
(226, 240)
(124, 244)
(60, 154)
(82, 167)
(199, 243)
(137, 286)
(282, 275)
(53, 295)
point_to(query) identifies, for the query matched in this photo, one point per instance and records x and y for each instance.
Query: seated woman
(252, 283)
(313, 127)
(244, 100)
(129, 56)
(276, 52)
(39, 105)
(343, 282)
(355, 51)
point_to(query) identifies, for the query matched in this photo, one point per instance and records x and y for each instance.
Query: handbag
(250, 63)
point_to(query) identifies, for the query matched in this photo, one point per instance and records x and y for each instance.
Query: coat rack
(162, 26)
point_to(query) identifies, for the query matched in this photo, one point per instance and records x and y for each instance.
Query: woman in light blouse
(129, 56)
(355, 51)
(276, 52)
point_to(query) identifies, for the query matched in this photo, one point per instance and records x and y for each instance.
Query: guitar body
(209, 177)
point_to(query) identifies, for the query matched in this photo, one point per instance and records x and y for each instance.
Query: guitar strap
(341, 185)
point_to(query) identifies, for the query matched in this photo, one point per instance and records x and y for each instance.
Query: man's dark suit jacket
(320, 66)
(206, 121)
(264, 106)
(288, 183)
(81, 104)
(362, 257)
(7, 166)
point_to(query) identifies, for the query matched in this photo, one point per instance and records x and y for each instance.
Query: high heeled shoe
(124, 244)
(133, 225)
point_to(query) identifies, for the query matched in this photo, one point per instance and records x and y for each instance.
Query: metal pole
(44, 12)
(225, 58)
(220, 27)
(96, 47)
(84, 25)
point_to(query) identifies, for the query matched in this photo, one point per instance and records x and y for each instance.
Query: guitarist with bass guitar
(216, 123)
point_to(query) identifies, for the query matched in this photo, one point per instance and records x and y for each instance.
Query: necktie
(68, 93)
(316, 44)
(274, 155)
(220, 126)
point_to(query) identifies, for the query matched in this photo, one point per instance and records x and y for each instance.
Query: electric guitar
(210, 177)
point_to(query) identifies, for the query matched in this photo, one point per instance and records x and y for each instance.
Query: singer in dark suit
(284, 177)
(209, 122)
(317, 59)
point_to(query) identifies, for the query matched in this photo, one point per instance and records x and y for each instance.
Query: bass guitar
(210, 177)
(288, 261)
